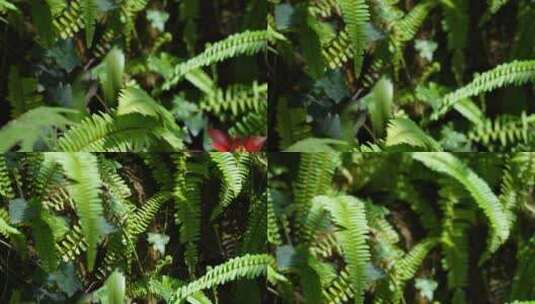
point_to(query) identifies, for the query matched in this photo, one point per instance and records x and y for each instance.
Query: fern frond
(69, 21)
(504, 130)
(273, 231)
(252, 123)
(104, 44)
(517, 182)
(237, 100)
(323, 8)
(245, 43)
(521, 287)
(89, 10)
(107, 134)
(291, 124)
(22, 93)
(112, 180)
(349, 214)
(189, 178)
(160, 170)
(381, 227)
(129, 11)
(456, 23)
(406, 28)
(72, 245)
(233, 178)
(44, 242)
(5, 229)
(405, 131)
(514, 73)
(255, 237)
(480, 191)
(58, 198)
(142, 217)
(454, 242)
(340, 289)
(495, 5)
(6, 190)
(82, 169)
(244, 267)
(406, 191)
(133, 100)
(111, 74)
(313, 178)
(356, 15)
(406, 267)
(337, 51)
(6, 5)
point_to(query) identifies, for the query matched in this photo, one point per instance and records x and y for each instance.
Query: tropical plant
(389, 75)
(130, 75)
(402, 227)
(133, 228)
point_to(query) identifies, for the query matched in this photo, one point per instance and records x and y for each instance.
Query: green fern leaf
(111, 75)
(237, 100)
(244, 267)
(313, 178)
(356, 15)
(29, 127)
(115, 288)
(514, 73)
(483, 196)
(349, 214)
(44, 241)
(495, 5)
(105, 133)
(22, 93)
(5, 229)
(82, 169)
(89, 10)
(140, 220)
(407, 266)
(233, 179)
(245, 43)
(189, 179)
(405, 131)
(291, 124)
(6, 190)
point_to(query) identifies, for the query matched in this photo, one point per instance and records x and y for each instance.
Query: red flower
(223, 142)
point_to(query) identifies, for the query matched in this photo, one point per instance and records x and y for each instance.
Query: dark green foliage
(402, 227)
(98, 228)
(388, 75)
(78, 62)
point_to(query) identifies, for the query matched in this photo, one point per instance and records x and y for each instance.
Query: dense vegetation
(402, 227)
(130, 75)
(428, 75)
(133, 228)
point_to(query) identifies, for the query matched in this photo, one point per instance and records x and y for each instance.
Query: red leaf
(254, 143)
(220, 140)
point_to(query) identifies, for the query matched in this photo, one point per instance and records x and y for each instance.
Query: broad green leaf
(318, 145)
(405, 131)
(111, 73)
(380, 105)
(29, 127)
(21, 92)
(116, 288)
(134, 100)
